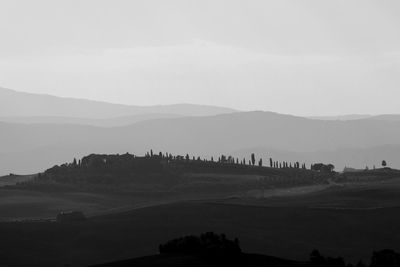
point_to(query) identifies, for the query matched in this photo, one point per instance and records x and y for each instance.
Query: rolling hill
(285, 222)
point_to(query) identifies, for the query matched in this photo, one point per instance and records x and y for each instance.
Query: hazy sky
(300, 57)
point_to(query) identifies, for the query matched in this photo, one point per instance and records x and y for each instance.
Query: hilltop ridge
(21, 104)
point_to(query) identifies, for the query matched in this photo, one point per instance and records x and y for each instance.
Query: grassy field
(20, 205)
(290, 232)
(349, 218)
(38, 199)
(349, 221)
(362, 195)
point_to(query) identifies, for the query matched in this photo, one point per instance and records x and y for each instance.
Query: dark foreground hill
(208, 249)
(200, 260)
(290, 231)
(383, 258)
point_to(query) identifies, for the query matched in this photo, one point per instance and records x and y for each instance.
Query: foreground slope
(288, 232)
(245, 259)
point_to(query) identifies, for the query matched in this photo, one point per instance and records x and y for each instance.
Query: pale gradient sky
(299, 57)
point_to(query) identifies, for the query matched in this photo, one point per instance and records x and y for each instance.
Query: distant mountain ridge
(108, 122)
(21, 104)
(388, 117)
(38, 131)
(350, 117)
(23, 107)
(30, 148)
(347, 117)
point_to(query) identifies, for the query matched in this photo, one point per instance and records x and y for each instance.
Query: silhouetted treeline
(98, 160)
(167, 169)
(218, 244)
(205, 243)
(210, 249)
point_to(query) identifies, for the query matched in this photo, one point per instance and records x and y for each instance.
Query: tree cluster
(285, 164)
(205, 243)
(320, 167)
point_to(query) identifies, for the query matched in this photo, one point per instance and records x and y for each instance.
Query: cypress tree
(253, 159)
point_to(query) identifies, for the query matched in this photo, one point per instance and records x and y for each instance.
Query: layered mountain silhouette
(389, 117)
(342, 117)
(21, 104)
(107, 122)
(28, 148)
